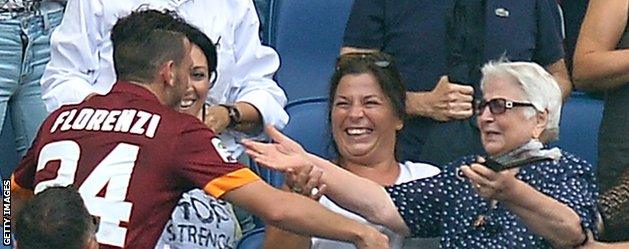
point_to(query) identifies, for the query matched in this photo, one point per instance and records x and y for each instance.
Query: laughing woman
(366, 111)
(198, 215)
(534, 197)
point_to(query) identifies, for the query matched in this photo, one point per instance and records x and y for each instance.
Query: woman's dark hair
(382, 67)
(209, 50)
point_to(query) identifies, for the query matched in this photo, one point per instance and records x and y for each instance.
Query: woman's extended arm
(355, 193)
(541, 213)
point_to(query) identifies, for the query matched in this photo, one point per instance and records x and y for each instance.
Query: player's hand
(306, 181)
(283, 154)
(217, 118)
(448, 101)
(488, 183)
(372, 239)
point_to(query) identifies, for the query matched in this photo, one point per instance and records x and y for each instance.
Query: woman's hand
(306, 181)
(283, 154)
(488, 183)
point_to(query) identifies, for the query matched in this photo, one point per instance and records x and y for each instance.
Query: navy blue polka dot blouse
(448, 206)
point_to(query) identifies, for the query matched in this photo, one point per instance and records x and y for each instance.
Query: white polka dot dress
(448, 206)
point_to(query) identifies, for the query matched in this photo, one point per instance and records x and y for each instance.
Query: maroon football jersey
(131, 159)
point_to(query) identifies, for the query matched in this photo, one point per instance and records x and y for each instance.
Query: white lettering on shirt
(126, 121)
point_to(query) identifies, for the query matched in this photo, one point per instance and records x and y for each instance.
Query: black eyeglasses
(497, 105)
(375, 58)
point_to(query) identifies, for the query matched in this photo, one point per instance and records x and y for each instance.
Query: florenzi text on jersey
(127, 120)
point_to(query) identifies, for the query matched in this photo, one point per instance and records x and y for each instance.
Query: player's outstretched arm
(302, 215)
(345, 188)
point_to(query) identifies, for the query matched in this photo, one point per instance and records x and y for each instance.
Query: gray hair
(540, 88)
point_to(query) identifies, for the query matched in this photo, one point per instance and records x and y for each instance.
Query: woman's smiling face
(364, 123)
(193, 100)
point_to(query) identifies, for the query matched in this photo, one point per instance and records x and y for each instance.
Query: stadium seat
(252, 240)
(308, 36)
(578, 128)
(308, 126)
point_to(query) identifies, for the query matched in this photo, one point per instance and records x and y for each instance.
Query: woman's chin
(492, 149)
(188, 110)
(359, 151)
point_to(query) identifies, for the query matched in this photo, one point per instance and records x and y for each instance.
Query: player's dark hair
(56, 218)
(144, 40)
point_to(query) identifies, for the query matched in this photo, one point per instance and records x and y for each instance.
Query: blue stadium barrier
(252, 240)
(308, 36)
(578, 129)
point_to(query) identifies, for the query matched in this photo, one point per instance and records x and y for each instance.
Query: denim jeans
(25, 51)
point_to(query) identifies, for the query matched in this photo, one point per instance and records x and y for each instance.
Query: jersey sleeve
(206, 163)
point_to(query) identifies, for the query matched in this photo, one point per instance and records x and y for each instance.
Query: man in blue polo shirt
(414, 31)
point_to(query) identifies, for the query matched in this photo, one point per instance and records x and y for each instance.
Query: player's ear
(167, 73)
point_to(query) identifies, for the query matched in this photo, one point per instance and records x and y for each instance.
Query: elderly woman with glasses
(520, 195)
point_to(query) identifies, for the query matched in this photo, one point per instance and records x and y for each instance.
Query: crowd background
(306, 64)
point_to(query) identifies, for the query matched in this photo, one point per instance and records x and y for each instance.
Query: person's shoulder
(187, 121)
(575, 162)
(417, 170)
(465, 160)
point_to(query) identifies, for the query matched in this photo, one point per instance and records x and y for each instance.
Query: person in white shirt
(366, 111)
(243, 97)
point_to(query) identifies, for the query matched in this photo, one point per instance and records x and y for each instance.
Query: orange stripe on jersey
(230, 181)
(19, 194)
(16, 189)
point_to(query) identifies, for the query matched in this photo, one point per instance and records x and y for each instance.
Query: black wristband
(234, 115)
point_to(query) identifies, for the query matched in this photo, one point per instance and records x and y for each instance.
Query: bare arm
(217, 118)
(598, 65)
(546, 216)
(301, 215)
(342, 186)
(278, 238)
(349, 191)
(560, 72)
